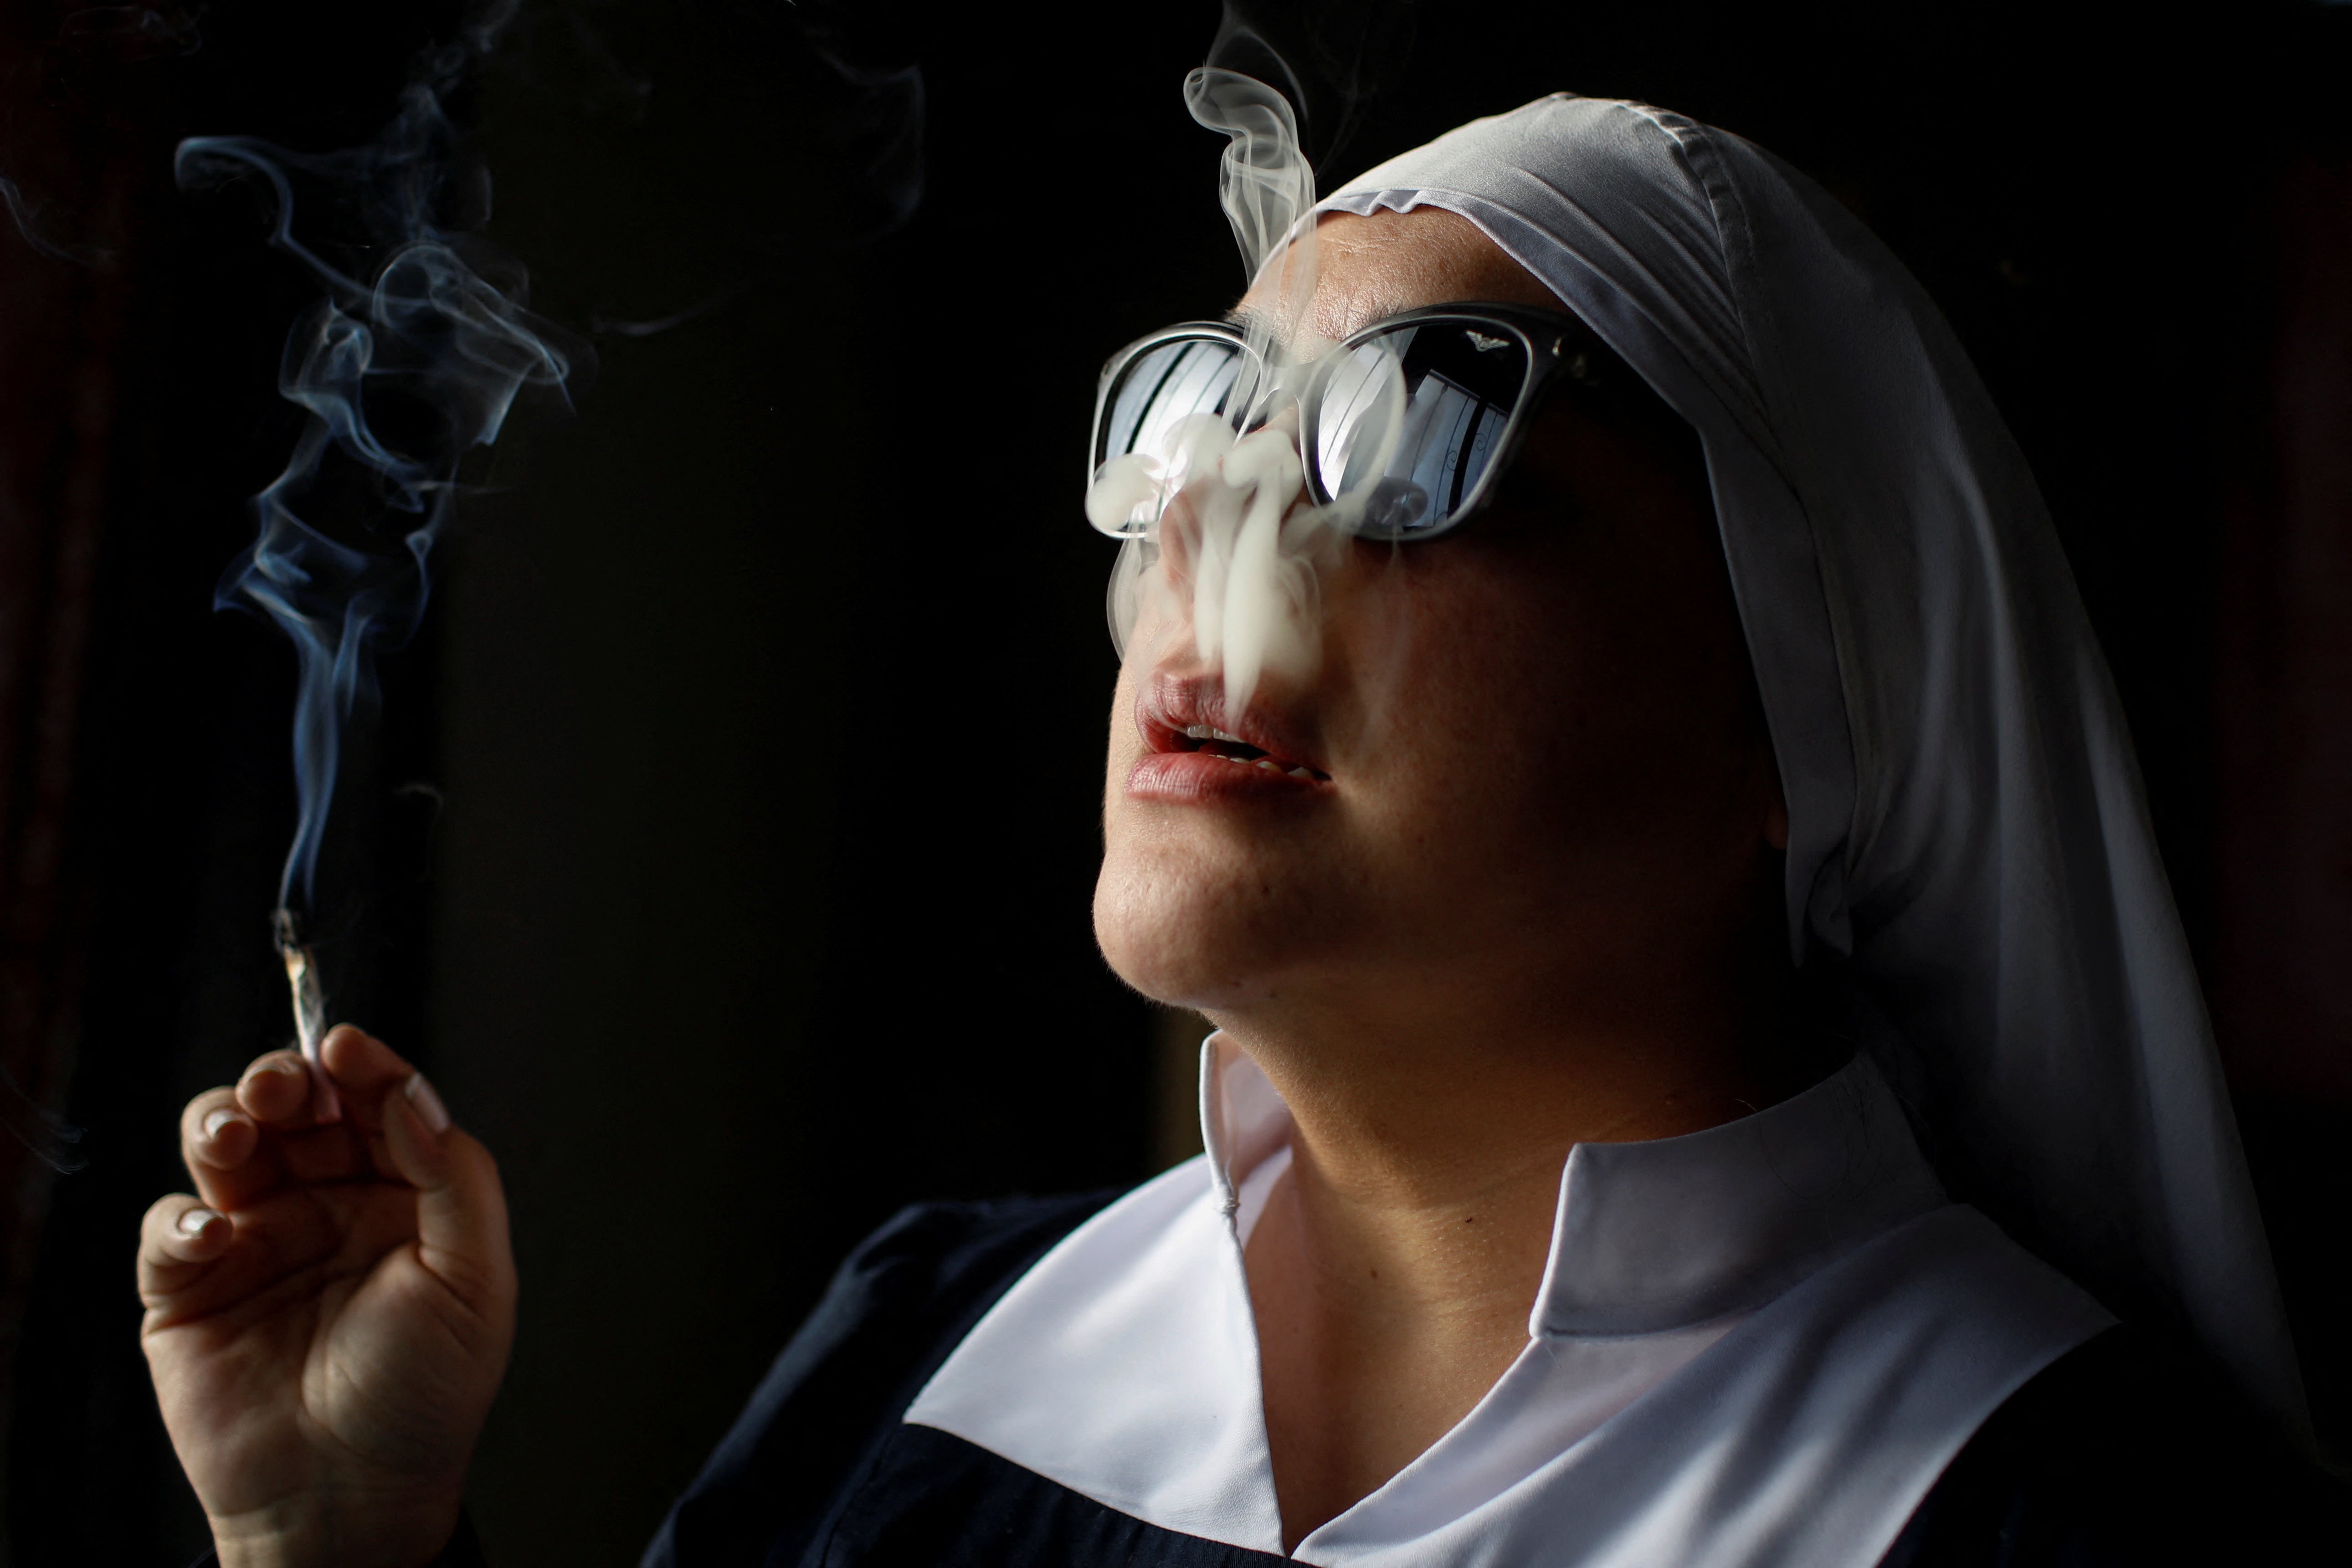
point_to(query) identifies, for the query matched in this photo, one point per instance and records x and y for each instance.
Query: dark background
(725, 848)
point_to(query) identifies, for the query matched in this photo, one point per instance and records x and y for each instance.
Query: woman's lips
(1201, 778)
(1195, 752)
(1189, 758)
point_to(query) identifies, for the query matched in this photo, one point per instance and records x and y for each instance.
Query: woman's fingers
(364, 1069)
(223, 1149)
(461, 1211)
(275, 1090)
(280, 1094)
(179, 1241)
(242, 1143)
(367, 1073)
(275, 1095)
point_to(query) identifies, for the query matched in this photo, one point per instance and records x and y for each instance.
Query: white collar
(1666, 1232)
(1757, 1344)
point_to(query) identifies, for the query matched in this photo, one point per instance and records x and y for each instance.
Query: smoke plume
(411, 358)
(1234, 483)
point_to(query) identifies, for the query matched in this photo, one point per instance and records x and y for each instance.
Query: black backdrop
(726, 847)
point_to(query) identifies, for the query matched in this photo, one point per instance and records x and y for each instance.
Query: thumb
(461, 1210)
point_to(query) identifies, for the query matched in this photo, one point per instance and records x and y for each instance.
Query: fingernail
(221, 1117)
(428, 1105)
(193, 1223)
(292, 1068)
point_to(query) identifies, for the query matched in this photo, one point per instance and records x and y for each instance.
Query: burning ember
(309, 1011)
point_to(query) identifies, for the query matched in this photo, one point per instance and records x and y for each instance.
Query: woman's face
(1536, 778)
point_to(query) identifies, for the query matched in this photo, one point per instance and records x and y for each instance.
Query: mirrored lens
(1148, 426)
(1162, 387)
(1409, 420)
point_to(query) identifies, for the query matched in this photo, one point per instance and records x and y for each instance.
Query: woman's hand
(328, 1319)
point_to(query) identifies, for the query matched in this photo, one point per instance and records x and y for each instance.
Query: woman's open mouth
(1194, 752)
(1209, 740)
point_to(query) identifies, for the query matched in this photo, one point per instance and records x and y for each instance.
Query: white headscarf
(1967, 827)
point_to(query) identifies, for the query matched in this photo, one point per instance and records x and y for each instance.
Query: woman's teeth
(1206, 732)
(1269, 763)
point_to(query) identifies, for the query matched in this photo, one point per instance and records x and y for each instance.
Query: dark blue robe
(2112, 1458)
(2105, 1458)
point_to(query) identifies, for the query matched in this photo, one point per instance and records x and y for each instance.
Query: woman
(1550, 1213)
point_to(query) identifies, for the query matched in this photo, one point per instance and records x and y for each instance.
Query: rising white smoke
(1234, 486)
(404, 366)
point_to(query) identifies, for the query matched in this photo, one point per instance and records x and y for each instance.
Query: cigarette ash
(309, 1004)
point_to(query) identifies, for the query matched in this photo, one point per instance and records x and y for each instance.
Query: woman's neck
(1394, 1266)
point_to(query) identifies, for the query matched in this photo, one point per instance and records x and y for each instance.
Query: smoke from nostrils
(412, 357)
(1232, 480)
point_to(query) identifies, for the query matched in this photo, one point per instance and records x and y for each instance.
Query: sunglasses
(1403, 430)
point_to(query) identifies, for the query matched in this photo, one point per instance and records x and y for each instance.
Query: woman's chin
(1164, 966)
(1176, 945)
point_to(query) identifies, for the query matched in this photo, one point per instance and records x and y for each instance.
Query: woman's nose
(1180, 534)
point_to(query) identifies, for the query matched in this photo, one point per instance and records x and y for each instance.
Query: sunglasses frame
(1557, 347)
